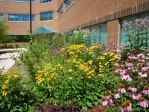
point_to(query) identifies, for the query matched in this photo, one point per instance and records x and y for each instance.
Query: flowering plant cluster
(132, 93)
(73, 77)
(137, 33)
(13, 95)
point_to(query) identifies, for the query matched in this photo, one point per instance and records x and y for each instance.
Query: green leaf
(89, 104)
(84, 108)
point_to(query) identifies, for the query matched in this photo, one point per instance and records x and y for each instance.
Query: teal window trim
(20, 17)
(46, 16)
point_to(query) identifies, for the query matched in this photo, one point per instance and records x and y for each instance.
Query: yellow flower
(70, 78)
(90, 62)
(15, 75)
(5, 73)
(99, 75)
(88, 77)
(70, 70)
(6, 81)
(103, 82)
(49, 87)
(4, 93)
(4, 87)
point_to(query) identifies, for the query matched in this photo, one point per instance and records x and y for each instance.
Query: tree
(3, 31)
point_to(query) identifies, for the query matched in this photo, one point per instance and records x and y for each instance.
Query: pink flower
(135, 57)
(143, 81)
(128, 63)
(146, 90)
(143, 103)
(126, 77)
(135, 96)
(104, 101)
(116, 94)
(122, 89)
(116, 64)
(141, 56)
(142, 74)
(145, 68)
(126, 106)
(132, 88)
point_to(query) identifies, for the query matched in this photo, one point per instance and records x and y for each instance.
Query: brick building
(105, 16)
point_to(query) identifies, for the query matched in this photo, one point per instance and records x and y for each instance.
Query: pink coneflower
(122, 89)
(141, 56)
(145, 68)
(143, 81)
(134, 57)
(128, 63)
(143, 103)
(107, 94)
(118, 69)
(142, 74)
(116, 64)
(146, 90)
(126, 77)
(116, 94)
(126, 106)
(136, 96)
(104, 101)
(134, 69)
(132, 88)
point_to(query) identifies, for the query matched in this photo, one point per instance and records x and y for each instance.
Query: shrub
(14, 95)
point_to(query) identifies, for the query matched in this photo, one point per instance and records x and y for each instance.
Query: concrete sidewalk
(6, 61)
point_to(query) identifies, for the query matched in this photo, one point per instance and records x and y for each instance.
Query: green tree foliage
(3, 31)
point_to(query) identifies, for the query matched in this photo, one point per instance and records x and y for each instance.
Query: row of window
(44, 16)
(22, 0)
(41, 1)
(65, 6)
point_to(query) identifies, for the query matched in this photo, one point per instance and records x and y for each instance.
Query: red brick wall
(83, 11)
(113, 34)
(7, 7)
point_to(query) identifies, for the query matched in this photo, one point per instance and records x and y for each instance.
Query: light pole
(30, 16)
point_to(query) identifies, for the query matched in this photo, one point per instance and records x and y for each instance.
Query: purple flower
(128, 63)
(141, 56)
(136, 96)
(116, 94)
(132, 88)
(143, 103)
(116, 64)
(122, 89)
(145, 68)
(104, 101)
(126, 106)
(134, 57)
(126, 77)
(146, 90)
(142, 74)
(143, 81)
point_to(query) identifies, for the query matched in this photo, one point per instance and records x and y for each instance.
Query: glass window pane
(46, 16)
(20, 17)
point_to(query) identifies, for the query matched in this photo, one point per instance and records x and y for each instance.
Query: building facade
(104, 16)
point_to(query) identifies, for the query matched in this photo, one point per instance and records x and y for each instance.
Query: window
(60, 11)
(46, 16)
(1, 16)
(68, 3)
(20, 17)
(45, 1)
(22, 0)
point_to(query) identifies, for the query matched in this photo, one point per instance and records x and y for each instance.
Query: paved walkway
(6, 59)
